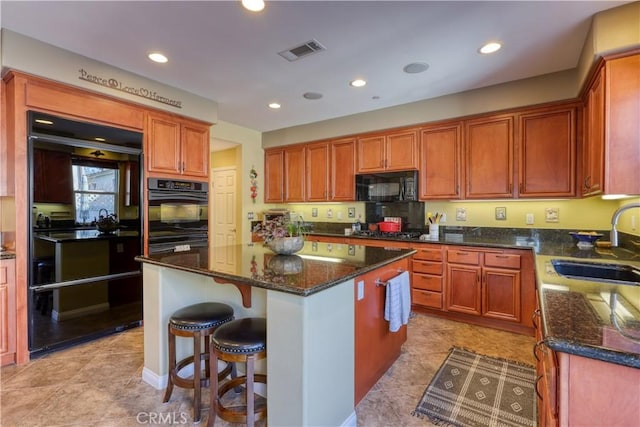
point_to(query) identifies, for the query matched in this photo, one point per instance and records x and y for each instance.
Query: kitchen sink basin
(599, 272)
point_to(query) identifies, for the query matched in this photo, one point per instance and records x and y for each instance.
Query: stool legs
(251, 416)
(218, 389)
(172, 365)
(197, 386)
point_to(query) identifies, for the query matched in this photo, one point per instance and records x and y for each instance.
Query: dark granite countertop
(576, 314)
(587, 318)
(304, 273)
(80, 235)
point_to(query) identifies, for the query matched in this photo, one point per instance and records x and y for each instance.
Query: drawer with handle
(502, 260)
(461, 256)
(428, 255)
(427, 267)
(427, 298)
(427, 282)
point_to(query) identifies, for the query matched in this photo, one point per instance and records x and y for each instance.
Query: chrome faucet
(614, 221)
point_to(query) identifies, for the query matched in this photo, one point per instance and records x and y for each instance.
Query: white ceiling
(218, 50)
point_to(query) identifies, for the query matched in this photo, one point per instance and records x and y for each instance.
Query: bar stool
(195, 321)
(242, 340)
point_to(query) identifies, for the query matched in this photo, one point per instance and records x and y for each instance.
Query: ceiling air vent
(303, 50)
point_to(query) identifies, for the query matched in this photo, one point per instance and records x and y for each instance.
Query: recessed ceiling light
(312, 95)
(44, 122)
(274, 105)
(415, 67)
(253, 5)
(357, 83)
(490, 47)
(158, 57)
(97, 138)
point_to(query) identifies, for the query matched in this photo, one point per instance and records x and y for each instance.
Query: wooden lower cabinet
(579, 391)
(484, 283)
(376, 348)
(489, 287)
(7, 311)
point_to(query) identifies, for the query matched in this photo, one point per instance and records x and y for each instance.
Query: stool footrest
(239, 413)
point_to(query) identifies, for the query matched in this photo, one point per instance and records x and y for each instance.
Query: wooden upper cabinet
(195, 150)
(622, 131)
(274, 175)
(393, 151)
(317, 172)
(489, 157)
(342, 170)
(52, 176)
(294, 164)
(547, 153)
(177, 147)
(593, 140)
(440, 165)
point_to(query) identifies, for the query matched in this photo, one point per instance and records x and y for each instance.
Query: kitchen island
(309, 301)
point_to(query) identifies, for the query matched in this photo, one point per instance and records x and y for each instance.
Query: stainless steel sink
(599, 272)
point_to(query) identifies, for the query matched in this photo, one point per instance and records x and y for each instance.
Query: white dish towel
(398, 301)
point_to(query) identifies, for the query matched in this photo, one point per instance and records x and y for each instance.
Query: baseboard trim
(159, 382)
(352, 421)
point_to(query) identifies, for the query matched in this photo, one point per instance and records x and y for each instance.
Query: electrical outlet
(339, 214)
(529, 219)
(443, 218)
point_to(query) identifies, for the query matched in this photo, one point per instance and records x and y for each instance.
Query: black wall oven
(178, 215)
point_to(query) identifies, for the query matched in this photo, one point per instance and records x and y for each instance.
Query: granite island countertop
(304, 273)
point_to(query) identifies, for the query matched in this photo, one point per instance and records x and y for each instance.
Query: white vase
(286, 245)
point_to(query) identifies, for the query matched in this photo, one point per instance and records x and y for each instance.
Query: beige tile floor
(99, 384)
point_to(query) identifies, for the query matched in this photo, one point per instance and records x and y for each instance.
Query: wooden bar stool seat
(241, 340)
(196, 321)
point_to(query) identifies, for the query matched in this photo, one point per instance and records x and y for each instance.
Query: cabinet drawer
(427, 282)
(461, 256)
(428, 255)
(502, 260)
(427, 298)
(427, 267)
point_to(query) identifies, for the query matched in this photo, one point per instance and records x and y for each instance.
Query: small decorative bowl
(585, 240)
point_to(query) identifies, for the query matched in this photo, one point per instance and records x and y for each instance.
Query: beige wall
(535, 90)
(251, 156)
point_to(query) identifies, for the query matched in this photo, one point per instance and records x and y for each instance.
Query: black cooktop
(403, 235)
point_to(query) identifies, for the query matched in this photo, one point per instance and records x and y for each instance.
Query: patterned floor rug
(471, 390)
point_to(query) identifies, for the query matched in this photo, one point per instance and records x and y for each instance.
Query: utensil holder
(434, 231)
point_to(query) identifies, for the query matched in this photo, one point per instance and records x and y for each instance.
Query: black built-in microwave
(387, 187)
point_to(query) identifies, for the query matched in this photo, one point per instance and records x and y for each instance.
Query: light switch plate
(529, 219)
(360, 290)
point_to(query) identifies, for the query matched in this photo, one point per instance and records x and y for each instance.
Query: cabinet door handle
(520, 188)
(536, 386)
(502, 256)
(534, 317)
(535, 350)
(462, 253)
(478, 278)
(587, 182)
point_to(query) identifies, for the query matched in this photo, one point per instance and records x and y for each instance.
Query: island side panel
(166, 290)
(310, 354)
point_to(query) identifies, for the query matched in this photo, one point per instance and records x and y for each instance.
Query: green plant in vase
(282, 235)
